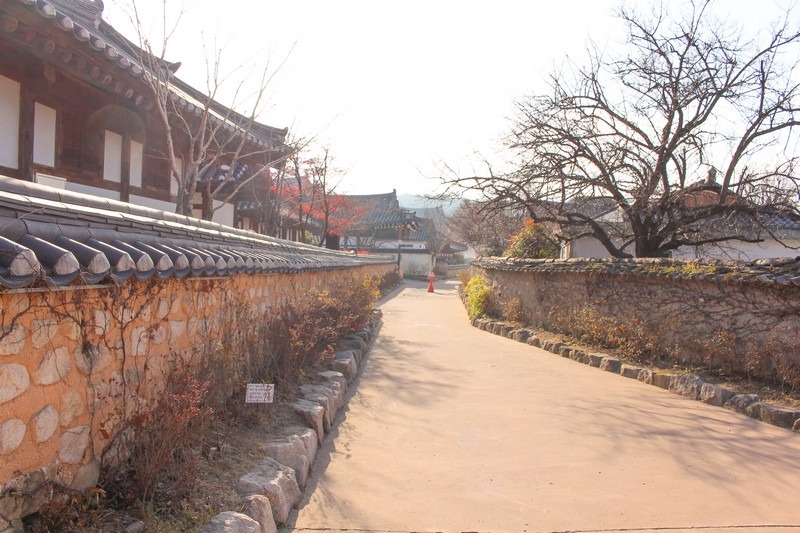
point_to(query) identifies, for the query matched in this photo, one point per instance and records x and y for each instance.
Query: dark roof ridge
(56, 237)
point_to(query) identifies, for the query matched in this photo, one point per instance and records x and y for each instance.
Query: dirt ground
(232, 449)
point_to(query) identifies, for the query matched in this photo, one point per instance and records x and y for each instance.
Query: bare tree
(484, 227)
(687, 135)
(209, 147)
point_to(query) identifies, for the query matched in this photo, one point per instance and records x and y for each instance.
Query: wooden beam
(26, 117)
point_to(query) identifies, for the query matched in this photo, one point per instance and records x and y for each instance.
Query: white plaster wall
(9, 125)
(97, 191)
(416, 264)
(152, 203)
(588, 247)
(44, 135)
(137, 155)
(223, 215)
(742, 251)
(112, 157)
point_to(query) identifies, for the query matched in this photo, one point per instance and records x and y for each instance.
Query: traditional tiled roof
(93, 37)
(55, 237)
(781, 271)
(378, 211)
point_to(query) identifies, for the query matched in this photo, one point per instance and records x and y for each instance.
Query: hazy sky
(395, 88)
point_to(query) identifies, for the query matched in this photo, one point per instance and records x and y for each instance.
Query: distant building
(778, 233)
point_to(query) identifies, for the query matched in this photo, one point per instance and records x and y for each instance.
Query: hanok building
(378, 223)
(78, 114)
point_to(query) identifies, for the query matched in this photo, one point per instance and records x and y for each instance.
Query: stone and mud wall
(71, 357)
(741, 316)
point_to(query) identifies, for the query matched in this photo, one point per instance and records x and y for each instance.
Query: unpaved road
(453, 429)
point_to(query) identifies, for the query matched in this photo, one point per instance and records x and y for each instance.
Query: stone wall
(66, 354)
(687, 306)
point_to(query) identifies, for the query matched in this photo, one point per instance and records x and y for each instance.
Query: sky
(397, 90)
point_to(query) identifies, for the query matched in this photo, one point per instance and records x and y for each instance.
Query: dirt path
(454, 429)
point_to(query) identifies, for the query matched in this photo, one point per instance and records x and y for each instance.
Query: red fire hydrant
(431, 279)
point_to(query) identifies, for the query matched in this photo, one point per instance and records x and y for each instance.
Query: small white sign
(259, 393)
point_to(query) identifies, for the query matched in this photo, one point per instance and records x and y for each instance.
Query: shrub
(514, 312)
(534, 241)
(389, 281)
(479, 298)
(158, 437)
(633, 340)
(161, 441)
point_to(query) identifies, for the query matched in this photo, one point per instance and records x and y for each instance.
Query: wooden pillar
(125, 171)
(26, 116)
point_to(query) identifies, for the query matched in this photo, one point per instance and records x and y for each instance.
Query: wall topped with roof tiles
(97, 297)
(67, 355)
(741, 317)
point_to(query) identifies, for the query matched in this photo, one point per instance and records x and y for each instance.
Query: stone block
(687, 385)
(796, 425)
(135, 527)
(646, 376)
(313, 415)
(533, 341)
(336, 392)
(521, 335)
(327, 408)
(277, 483)
(93, 358)
(579, 356)
(610, 364)
(309, 439)
(177, 328)
(259, 509)
(232, 522)
(290, 451)
(351, 342)
(54, 366)
(357, 354)
(345, 363)
(26, 493)
(140, 341)
(71, 406)
(12, 339)
(87, 476)
(740, 402)
(778, 415)
(323, 395)
(662, 380)
(14, 380)
(754, 410)
(332, 375)
(12, 431)
(73, 445)
(595, 359)
(42, 331)
(630, 371)
(555, 347)
(44, 423)
(714, 394)
(566, 352)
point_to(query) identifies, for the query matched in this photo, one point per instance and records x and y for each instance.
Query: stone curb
(688, 385)
(271, 490)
